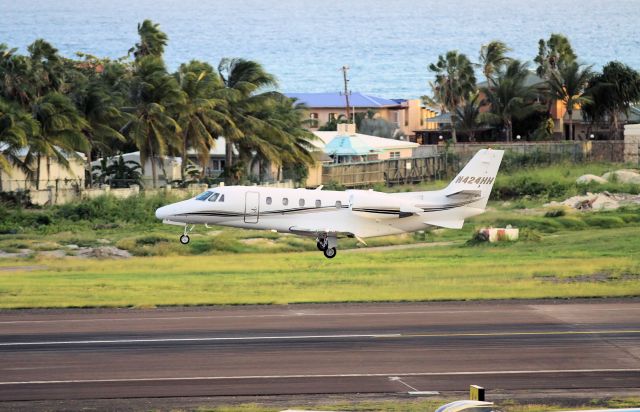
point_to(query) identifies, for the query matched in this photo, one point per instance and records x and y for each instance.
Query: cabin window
(204, 196)
(338, 204)
(285, 201)
(269, 200)
(301, 202)
(214, 197)
(221, 198)
(318, 203)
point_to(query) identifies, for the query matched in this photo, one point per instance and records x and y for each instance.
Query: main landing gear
(184, 239)
(327, 245)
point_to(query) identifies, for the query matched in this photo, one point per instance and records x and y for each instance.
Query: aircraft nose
(163, 212)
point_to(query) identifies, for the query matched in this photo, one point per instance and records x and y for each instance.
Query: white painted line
(288, 315)
(283, 315)
(424, 393)
(347, 375)
(211, 339)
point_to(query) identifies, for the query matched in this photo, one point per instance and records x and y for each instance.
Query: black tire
(330, 253)
(321, 246)
(184, 239)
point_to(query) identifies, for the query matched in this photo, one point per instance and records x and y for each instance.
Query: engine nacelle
(376, 205)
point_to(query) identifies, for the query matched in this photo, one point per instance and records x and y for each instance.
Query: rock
(623, 176)
(584, 179)
(73, 247)
(103, 252)
(103, 241)
(53, 253)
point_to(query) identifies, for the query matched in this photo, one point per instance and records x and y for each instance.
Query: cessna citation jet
(328, 215)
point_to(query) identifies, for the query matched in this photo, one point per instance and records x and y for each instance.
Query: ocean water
(387, 44)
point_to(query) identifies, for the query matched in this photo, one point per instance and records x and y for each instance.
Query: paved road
(79, 354)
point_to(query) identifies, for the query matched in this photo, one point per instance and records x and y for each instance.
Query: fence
(392, 171)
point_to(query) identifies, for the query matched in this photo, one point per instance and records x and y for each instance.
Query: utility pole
(346, 92)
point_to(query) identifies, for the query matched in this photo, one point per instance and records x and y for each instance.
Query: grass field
(587, 263)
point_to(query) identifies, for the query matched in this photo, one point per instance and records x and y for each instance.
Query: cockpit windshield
(204, 196)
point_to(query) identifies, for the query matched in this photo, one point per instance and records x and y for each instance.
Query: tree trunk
(228, 159)
(183, 166)
(614, 118)
(570, 122)
(454, 137)
(89, 167)
(154, 172)
(38, 172)
(509, 131)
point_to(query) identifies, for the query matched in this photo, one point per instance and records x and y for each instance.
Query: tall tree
(154, 94)
(612, 92)
(553, 54)
(510, 97)
(61, 133)
(468, 115)
(454, 79)
(152, 40)
(568, 84)
(16, 126)
(492, 58)
(243, 80)
(203, 117)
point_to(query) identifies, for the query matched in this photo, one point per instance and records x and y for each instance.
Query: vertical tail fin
(477, 178)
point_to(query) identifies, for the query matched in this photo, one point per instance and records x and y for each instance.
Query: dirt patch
(21, 268)
(598, 277)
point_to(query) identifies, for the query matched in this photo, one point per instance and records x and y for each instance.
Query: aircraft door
(251, 207)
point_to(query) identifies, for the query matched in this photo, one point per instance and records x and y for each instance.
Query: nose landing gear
(184, 239)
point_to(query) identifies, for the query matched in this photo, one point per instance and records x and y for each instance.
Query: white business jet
(328, 215)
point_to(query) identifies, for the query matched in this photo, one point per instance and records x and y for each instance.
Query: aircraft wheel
(322, 246)
(330, 253)
(184, 239)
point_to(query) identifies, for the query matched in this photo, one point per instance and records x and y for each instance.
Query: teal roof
(346, 145)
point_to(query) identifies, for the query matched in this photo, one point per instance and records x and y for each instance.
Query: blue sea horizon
(387, 44)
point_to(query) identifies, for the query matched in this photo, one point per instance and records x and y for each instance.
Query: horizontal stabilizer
(449, 224)
(465, 194)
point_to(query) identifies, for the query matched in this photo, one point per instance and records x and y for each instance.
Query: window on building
(394, 155)
(214, 197)
(332, 117)
(318, 203)
(338, 204)
(268, 200)
(285, 201)
(314, 120)
(301, 202)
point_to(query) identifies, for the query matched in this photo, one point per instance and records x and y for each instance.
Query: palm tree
(510, 98)
(102, 111)
(454, 80)
(61, 133)
(492, 58)
(469, 115)
(568, 84)
(242, 79)
(553, 54)
(154, 93)
(16, 126)
(203, 117)
(152, 40)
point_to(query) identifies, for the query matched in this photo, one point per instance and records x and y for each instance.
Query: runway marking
(283, 315)
(294, 314)
(210, 339)
(302, 337)
(303, 376)
(567, 332)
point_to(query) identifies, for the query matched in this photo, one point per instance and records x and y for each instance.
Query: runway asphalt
(319, 349)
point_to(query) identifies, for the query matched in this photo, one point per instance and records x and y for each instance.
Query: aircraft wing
(314, 232)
